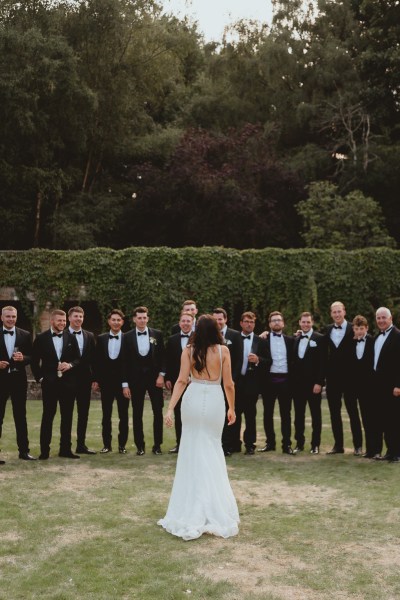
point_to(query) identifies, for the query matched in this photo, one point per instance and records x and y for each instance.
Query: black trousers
(386, 413)
(178, 421)
(108, 392)
(13, 386)
(53, 393)
(371, 421)
(334, 393)
(83, 395)
(139, 387)
(246, 396)
(282, 392)
(303, 394)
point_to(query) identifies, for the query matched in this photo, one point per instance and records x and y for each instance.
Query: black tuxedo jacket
(235, 346)
(388, 366)
(338, 358)
(24, 344)
(85, 368)
(289, 342)
(45, 361)
(309, 370)
(362, 370)
(107, 371)
(173, 354)
(133, 362)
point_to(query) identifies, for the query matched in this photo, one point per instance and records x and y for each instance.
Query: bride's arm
(179, 387)
(229, 386)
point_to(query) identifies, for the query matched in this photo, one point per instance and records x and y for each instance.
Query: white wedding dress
(202, 500)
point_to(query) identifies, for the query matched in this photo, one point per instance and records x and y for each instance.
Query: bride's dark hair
(206, 334)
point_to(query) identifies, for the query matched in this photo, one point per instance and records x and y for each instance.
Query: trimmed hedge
(161, 278)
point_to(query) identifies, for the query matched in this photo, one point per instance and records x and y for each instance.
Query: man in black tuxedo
(55, 357)
(232, 340)
(84, 374)
(387, 383)
(15, 354)
(307, 380)
(175, 345)
(189, 306)
(249, 383)
(144, 370)
(108, 377)
(277, 386)
(339, 340)
(361, 368)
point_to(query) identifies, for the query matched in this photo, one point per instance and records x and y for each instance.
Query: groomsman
(233, 341)
(144, 372)
(277, 386)
(308, 378)
(84, 374)
(189, 306)
(175, 345)
(248, 384)
(108, 377)
(55, 357)
(339, 338)
(15, 354)
(387, 382)
(361, 367)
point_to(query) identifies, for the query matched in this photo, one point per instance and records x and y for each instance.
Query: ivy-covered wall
(161, 278)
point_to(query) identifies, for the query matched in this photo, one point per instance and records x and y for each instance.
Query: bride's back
(212, 372)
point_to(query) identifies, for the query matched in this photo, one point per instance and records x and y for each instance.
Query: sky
(213, 15)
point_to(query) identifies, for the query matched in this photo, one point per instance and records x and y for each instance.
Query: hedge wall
(161, 278)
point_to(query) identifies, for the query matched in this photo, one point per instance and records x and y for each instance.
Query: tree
(347, 223)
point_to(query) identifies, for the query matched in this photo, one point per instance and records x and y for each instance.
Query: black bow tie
(277, 334)
(113, 337)
(304, 337)
(142, 332)
(9, 332)
(59, 335)
(337, 327)
(185, 335)
(362, 340)
(77, 332)
(246, 337)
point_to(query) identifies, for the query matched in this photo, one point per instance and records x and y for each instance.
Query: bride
(202, 500)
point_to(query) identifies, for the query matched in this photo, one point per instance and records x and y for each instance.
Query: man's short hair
(388, 313)
(338, 303)
(3, 310)
(360, 321)
(306, 314)
(58, 312)
(249, 315)
(186, 314)
(220, 311)
(115, 311)
(77, 309)
(187, 302)
(274, 313)
(140, 309)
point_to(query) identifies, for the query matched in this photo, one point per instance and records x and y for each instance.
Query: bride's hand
(169, 418)
(231, 416)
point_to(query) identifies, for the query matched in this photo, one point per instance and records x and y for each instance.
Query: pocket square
(313, 344)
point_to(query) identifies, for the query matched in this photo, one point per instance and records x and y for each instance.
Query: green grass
(312, 527)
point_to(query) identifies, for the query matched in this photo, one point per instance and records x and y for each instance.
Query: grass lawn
(312, 527)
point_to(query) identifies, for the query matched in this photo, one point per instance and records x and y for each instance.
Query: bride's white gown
(201, 500)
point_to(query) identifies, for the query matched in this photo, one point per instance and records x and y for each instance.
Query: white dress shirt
(247, 343)
(360, 347)
(114, 345)
(58, 344)
(338, 334)
(303, 343)
(279, 354)
(380, 340)
(143, 342)
(9, 341)
(79, 338)
(184, 340)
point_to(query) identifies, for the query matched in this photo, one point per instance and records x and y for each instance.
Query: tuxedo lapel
(3, 347)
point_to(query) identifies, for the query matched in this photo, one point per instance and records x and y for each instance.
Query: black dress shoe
(288, 450)
(395, 459)
(227, 453)
(267, 448)
(298, 449)
(2, 462)
(84, 450)
(68, 455)
(156, 450)
(314, 450)
(174, 450)
(250, 451)
(386, 456)
(44, 456)
(26, 456)
(368, 455)
(336, 450)
(105, 450)
(140, 452)
(122, 450)
(358, 452)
